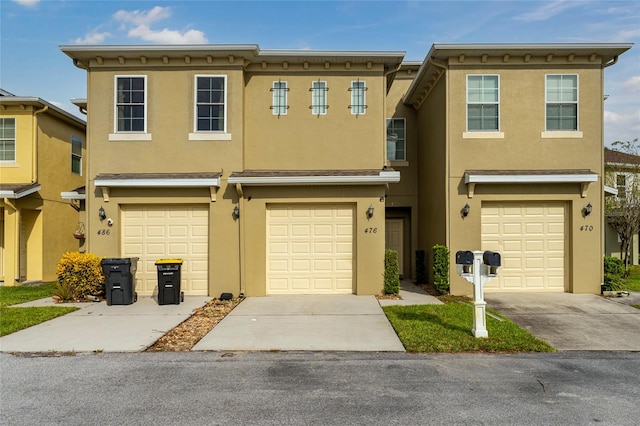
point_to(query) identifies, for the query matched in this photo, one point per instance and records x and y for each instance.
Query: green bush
(421, 267)
(441, 268)
(614, 274)
(79, 275)
(391, 272)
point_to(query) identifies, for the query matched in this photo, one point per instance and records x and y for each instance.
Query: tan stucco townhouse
(42, 152)
(273, 172)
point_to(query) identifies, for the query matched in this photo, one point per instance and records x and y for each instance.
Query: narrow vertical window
(130, 104)
(279, 105)
(483, 103)
(562, 102)
(319, 98)
(621, 186)
(7, 139)
(358, 98)
(76, 155)
(210, 104)
(396, 139)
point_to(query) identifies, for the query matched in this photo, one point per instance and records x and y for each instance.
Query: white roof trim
(532, 178)
(383, 178)
(15, 195)
(73, 195)
(610, 191)
(159, 183)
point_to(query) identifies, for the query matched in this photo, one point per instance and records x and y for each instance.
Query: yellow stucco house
(289, 172)
(42, 148)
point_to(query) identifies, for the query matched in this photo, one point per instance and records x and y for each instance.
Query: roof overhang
(583, 177)
(610, 191)
(329, 177)
(35, 102)
(158, 180)
(16, 191)
(76, 194)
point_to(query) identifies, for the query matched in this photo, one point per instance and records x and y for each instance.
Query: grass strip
(448, 328)
(15, 319)
(20, 294)
(633, 280)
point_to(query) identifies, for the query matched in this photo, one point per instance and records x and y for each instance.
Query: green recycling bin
(169, 282)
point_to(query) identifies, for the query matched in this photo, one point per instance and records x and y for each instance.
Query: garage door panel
(309, 249)
(531, 238)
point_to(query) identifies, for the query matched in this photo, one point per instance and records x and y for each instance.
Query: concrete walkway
(574, 321)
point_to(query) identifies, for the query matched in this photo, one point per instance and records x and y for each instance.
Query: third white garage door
(309, 249)
(531, 239)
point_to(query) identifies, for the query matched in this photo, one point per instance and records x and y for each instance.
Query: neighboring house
(42, 151)
(510, 155)
(622, 171)
(273, 172)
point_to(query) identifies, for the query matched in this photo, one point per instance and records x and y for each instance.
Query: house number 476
(370, 230)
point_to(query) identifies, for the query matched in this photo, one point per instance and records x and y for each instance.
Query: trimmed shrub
(614, 274)
(441, 268)
(391, 272)
(421, 267)
(80, 275)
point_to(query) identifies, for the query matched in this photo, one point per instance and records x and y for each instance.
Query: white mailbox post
(478, 267)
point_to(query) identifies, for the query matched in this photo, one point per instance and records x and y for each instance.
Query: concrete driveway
(583, 322)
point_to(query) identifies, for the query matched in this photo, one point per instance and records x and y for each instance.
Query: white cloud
(547, 11)
(142, 17)
(632, 84)
(167, 36)
(27, 3)
(93, 38)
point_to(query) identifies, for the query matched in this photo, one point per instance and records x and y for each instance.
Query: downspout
(16, 241)
(241, 239)
(34, 159)
(611, 62)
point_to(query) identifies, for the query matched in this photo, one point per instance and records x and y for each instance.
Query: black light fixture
(236, 213)
(370, 212)
(465, 210)
(587, 209)
(102, 214)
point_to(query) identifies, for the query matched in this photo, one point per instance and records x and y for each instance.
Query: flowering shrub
(80, 274)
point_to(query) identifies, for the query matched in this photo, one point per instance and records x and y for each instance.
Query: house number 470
(587, 228)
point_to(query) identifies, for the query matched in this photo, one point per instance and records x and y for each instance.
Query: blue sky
(31, 31)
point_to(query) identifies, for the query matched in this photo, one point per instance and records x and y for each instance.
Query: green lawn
(447, 328)
(633, 280)
(14, 319)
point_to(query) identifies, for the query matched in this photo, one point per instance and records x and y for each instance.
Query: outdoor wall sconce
(587, 209)
(236, 213)
(465, 210)
(370, 212)
(102, 214)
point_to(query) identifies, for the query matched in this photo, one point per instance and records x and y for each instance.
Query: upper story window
(76, 155)
(483, 103)
(319, 98)
(621, 185)
(279, 105)
(396, 140)
(131, 100)
(7, 139)
(561, 99)
(210, 103)
(358, 97)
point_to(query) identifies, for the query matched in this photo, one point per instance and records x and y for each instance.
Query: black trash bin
(169, 282)
(120, 285)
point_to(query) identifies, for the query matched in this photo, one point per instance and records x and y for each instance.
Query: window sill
(561, 135)
(129, 137)
(397, 163)
(9, 164)
(206, 136)
(483, 135)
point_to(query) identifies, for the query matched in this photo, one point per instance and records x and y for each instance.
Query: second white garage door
(167, 232)
(309, 249)
(531, 240)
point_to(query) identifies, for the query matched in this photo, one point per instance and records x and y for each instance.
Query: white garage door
(531, 240)
(167, 232)
(309, 249)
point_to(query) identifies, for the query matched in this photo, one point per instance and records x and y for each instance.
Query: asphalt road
(320, 388)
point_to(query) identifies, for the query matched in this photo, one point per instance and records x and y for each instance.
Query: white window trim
(76, 155)
(129, 137)
(565, 133)
(14, 162)
(477, 133)
(404, 125)
(211, 135)
(276, 109)
(323, 107)
(364, 97)
(115, 107)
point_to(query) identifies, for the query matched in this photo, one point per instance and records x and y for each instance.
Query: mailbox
(492, 262)
(464, 262)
